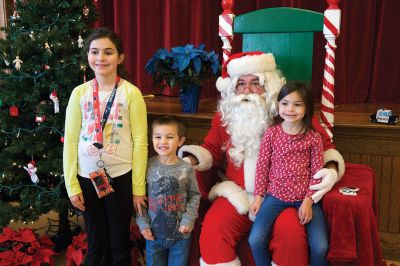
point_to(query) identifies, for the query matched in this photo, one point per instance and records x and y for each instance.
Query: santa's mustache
(248, 98)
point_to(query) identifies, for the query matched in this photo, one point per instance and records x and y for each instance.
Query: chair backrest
(286, 32)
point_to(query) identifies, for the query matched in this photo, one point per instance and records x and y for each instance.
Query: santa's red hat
(245, 63)
(32, 163)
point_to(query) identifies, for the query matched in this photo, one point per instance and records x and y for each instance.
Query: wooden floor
(355, 137)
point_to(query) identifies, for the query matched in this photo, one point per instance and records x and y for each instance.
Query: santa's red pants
(224, 237)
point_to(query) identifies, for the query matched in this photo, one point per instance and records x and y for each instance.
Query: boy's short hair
(169, 120)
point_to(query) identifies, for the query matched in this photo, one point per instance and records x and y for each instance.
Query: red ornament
(40, 118)
(62, 139)
(14, 111)
(46, 67)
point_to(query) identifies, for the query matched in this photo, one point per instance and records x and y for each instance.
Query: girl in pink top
(290, 154)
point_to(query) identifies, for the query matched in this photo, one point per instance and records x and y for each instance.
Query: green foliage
(57, 23)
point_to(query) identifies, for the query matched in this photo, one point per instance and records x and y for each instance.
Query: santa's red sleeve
(215, 140)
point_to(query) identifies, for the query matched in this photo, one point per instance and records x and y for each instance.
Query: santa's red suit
(223, 238)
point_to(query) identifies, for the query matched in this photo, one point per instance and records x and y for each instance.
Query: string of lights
(43, 191)
(36, 76)
(16, 132)
(36, 26)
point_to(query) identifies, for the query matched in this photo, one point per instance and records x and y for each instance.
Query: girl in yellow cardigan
(105, 151)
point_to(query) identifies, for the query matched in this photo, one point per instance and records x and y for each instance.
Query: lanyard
(100, 124)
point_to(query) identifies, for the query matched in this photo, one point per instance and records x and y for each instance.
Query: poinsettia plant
(24, 247)
(76, 251)
(183, 66)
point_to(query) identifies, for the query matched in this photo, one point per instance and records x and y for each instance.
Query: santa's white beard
(246, 119)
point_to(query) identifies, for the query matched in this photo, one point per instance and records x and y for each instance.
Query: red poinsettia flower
(76, 250)
(25, 247)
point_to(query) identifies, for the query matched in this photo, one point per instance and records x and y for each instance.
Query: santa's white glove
(329, 178)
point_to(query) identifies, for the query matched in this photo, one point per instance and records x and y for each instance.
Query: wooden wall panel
(376, 163)
(385, 193)
(394, 209)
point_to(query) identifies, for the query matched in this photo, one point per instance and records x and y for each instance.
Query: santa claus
(231, 148)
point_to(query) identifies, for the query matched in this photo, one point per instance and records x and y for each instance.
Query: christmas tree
(41, 61)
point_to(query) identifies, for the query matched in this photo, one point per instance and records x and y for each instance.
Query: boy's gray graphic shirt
(173, 199)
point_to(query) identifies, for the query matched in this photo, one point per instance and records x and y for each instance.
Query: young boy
(173, 198)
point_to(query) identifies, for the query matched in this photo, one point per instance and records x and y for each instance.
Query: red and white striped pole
(331, 32)
(226, 28)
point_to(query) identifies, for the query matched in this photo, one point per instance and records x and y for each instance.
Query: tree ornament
(31, 169)
(15, 15)
(17, 62)
(40, 118)
(5, 59)
(85, 11)
(40, 110)
(47, 47)
(80, 42)
(62, 139)
(54, 98)
(14, 111)
(46, 67)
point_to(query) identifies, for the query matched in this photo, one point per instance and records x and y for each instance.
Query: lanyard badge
(100, 123)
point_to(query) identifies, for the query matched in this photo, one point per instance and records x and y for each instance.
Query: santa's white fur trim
(334, 155)
(235, 262)
(223, 85)
(203, 156)
(249, 168)
(236, 195)
(251, 64)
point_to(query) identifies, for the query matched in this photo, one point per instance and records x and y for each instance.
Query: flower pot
(190, 96)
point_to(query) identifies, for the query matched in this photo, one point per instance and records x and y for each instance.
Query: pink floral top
(286, 164)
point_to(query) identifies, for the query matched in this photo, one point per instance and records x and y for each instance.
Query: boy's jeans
(260, 234)
(164, 252)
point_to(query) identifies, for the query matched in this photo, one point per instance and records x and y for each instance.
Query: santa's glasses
(253, 86)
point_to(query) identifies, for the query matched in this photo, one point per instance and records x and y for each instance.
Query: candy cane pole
(331, 32)
(225, 28)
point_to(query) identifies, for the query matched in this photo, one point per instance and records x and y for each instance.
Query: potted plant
(185, 67)
(24, 247)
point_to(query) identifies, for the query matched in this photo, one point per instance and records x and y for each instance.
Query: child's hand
(305, 211)
(138, 203)
(147, 234)
(255, 205)
(184, 229)
(78, 201)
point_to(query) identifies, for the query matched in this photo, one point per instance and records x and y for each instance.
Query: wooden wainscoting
(358, 140)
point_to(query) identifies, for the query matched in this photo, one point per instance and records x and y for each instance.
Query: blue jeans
(260, 234)
(162, 252)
